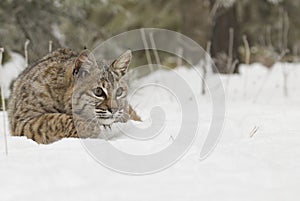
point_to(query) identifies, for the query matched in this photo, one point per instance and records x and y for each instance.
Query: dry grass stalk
(26, 52)
(3, 105)
(50, 46)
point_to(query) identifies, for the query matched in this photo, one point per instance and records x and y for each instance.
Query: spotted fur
(40, 105)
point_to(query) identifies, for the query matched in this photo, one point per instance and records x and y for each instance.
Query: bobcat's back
(44, 87)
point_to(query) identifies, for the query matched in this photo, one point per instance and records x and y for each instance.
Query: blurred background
(255, 45)
(232, 31)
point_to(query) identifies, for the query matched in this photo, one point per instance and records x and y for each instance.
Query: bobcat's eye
(119, 92)
(98, 92)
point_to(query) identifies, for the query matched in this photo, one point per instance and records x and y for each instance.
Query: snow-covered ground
(264, 167)
(10, 71)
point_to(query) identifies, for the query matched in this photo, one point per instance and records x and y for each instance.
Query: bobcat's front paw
(133, 115)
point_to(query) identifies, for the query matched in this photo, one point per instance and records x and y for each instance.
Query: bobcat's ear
(121, 64)
(84, 60)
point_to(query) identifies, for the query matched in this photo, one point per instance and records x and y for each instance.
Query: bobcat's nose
(113, 110)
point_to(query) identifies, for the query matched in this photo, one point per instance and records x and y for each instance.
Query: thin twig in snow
(26, 52)
(280, 28)
(253, 131)
(208, 47)
(3, 104)
(230, 63)
(230, 49)
(179, 56)
(286, 30)
(269, 37)
(172, 138)
(247, 50)
(50, 46)
(148, 56)
(247, 62)
(285, 78)
(154, 48)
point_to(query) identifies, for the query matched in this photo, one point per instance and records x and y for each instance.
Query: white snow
(10, 71)
(263, 167)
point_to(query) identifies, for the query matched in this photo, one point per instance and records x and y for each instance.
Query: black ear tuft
(121, 64)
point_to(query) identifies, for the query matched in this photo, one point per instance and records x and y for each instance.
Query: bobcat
(40, 105)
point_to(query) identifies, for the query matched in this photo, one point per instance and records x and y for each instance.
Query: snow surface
(263, 167)
(10, 71)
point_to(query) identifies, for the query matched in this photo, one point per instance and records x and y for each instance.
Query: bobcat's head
(100, 90)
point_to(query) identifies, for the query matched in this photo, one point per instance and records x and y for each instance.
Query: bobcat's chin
(107, 122)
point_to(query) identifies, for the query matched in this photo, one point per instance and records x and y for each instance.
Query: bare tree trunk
(194, 17)
(225, 19)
